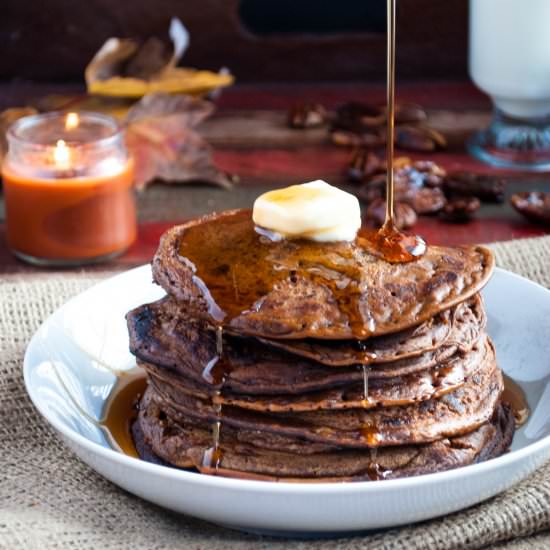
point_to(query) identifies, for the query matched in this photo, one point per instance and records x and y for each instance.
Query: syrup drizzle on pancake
(235, 267)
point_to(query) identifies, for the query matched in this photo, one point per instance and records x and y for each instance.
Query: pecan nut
(372, 138)
(460, 209)
(419, 138)
(485, 187)
(404, 216)
(363, 163)
(409, 113)
(358, 117)
(417, 183)
(534, 205)
(306, 115)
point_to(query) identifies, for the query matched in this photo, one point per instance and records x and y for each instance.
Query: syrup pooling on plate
(121, 410)
(515, 397)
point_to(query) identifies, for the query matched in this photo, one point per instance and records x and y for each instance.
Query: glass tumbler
(509, 59)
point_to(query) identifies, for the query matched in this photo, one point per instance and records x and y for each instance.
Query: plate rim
(256, 486)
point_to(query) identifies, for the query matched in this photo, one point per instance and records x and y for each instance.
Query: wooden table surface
(250, 139)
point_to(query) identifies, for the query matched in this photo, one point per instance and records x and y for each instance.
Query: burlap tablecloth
(49, 499)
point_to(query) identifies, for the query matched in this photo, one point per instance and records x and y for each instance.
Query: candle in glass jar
(68, 189)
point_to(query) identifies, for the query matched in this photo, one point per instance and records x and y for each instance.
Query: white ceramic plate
(68, 378)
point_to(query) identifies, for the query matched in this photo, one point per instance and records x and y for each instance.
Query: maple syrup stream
(388, 242)
(390, 111)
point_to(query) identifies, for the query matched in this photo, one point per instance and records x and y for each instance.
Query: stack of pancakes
(296, 360)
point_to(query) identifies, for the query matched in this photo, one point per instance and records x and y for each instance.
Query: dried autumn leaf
(126, 68)
(161, 136)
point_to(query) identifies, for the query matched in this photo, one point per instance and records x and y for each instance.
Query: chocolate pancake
(457, 412)
(184, 444)
(161, 334)
(460, 326)
(387, 392)
(228, 274)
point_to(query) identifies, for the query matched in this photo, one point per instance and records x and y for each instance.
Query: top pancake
(227, 274)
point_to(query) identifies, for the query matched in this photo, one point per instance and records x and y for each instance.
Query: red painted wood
(307, 163)
(140, 252)
(278, 165)
(477, 231)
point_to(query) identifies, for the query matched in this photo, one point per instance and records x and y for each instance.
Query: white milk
(510, 54)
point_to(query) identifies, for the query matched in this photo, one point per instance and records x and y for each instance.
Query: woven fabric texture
(49, 499)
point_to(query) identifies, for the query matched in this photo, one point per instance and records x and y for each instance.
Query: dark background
(258, 40)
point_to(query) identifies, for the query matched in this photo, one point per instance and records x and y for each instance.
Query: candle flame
(62, 155)
(72, 121)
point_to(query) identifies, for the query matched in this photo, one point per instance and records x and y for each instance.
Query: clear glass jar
(68, 188)
(510, 60)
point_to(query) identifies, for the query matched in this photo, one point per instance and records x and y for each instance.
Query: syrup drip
(365, 386)
(362, 355)
(213, 455)
(216, 372)
(371, 434)
(388, 242)
(392, 245)
(217, 368)
(515, 397)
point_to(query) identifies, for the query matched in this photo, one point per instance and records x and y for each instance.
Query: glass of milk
(510, 61)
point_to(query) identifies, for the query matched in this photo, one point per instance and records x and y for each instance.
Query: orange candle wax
(68, 201)
(70, 218)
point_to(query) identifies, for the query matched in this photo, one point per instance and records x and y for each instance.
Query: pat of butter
(316, 211)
